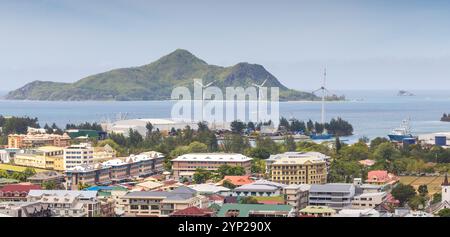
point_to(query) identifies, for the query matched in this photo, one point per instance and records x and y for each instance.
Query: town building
(47, 157)
(208, 189)
(307, 170)
(296, 155)
(445, 200)
(381, 177)
(105, 153)
(256, 210)
(317, 211)
(368, 200)
(161, 203)
(334, 195)
(16, 192)
(25, 209)
(80, 154)
(185, 166)
(139, 125)
(296, 195)
(67, 203)
(193, 212)
(46, 177)
(260, 188)
(21, 141)
(116, 170)
(365, 212)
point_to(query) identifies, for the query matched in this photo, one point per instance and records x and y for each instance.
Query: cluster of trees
(406, 194)
(17, 125)
(202, 175)
(86, 126)
(445, 118)
(21, 176)
(338, 127)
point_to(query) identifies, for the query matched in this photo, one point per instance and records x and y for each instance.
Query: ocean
(372, 113)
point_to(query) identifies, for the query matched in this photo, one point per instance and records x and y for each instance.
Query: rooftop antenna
(324, 91)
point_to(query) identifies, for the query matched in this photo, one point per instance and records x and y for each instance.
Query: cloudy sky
(378, 44)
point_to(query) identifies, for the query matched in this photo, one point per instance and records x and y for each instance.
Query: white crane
(324, 94)
(200, 83)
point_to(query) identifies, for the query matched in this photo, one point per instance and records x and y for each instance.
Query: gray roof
(82, 194)
(260, 186)
(331, 187)
(178, 194)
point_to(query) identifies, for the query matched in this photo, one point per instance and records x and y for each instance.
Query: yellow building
(48, 157)
(299, 171)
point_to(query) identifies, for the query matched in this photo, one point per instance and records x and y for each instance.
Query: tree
(423, 190)
(201, 176)
(149, 127)
(377, 141)
(386, 151)
(49, 185)
(289, 143)
(227, 184)
(444, 212)
(237, 127)
(226, 170)
(248, 200)
(284, 125)
(437, 197)
(202, 126)
(338, 144)
(417, 202)
(197, 147)
(403, 193)
(251, 126)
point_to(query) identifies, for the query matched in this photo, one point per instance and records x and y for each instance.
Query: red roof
(193, 211)
(216, 197)
(19, 187)
(239, 180)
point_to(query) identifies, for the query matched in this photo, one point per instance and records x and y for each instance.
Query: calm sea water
(372, 113)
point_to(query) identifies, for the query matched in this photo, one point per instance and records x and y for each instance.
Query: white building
(76, 155)
(4, 156)
(260, 188)
(368, 200)
(335, 195)
(445, 202)
(163, 125)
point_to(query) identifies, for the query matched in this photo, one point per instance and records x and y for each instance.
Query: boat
(323, 136)
(401, 133)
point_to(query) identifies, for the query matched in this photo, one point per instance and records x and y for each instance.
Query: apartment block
(185, 165)
(299, 171)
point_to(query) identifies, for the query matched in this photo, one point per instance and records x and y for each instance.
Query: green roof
(216, 207)
(244, 209)
(16, 168)
(272, 198)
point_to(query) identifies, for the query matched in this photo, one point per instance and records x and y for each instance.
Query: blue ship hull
(321, 136)
(399, 138)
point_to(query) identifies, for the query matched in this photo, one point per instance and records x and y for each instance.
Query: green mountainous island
(155, 81)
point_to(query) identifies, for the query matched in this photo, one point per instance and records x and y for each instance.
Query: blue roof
(98, 188)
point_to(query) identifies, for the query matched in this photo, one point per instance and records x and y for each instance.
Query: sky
(378, 44)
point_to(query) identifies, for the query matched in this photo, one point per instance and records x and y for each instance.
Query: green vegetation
(248, 200)
(403, 193)
(11, 172)
(155, 81)
(338, 127)
(444, 212)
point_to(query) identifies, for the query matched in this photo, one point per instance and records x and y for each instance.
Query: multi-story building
(298, 171)
(317, 211)
(116, 170)
(47, 176)
(334, 195)
(296, 195)
(76, 155)
(67, 203)
(184, 166)
(296, 155)
(25, 209)
(381, 177)
(368, 200)
(48, 157)
(160, 203)
(16, 192)
(37, 140)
